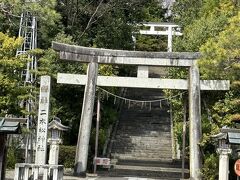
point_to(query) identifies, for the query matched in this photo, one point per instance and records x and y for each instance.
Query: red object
(237, 167)
(104, 161)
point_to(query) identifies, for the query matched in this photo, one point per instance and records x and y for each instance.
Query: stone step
(166, 174)
(151, 137)
(156, 146)
(142, 144)
(144, 153)
(147, 114)
(154, 141)
(148, 172)
(147, 124)
(149, 127)
(151, 168)
(145, 135)
(143, 147)
(135, 150)
(146, 120)
(145, 130)
(146, 145)
(142, 156)
(150, 163)
(154, 136)
(157, 152)
(150, 118)
(131, 157)
(138, 155)
(153, 145)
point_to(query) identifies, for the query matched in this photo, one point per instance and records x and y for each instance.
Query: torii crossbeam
(95, 56)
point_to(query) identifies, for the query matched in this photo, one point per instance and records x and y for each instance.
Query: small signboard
(237, 167)
(102, 161)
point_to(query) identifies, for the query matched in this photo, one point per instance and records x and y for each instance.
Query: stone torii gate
(95, 56)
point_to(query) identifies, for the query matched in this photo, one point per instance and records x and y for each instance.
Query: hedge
(67, 156)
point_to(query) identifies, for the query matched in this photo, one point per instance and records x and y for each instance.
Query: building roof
(231, 135)
(55, 124)
(9, 127)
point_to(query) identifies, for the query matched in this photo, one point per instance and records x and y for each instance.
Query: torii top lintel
(109, 56)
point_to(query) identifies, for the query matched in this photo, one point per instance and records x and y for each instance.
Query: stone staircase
(142, 146)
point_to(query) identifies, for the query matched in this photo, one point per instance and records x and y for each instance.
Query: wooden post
(86, 120)
(3, 151)
(174, 149)
(195, 128)
(170, 34)
(184, 135)
(27, 142)
(97, 134)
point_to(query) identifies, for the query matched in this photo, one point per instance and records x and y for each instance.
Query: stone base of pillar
(81, 174)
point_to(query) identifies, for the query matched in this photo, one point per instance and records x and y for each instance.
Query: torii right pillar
(195, 127)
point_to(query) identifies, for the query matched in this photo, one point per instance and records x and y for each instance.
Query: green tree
(220, 59)
(10, 75)
(211, 21)
(109, 23)
(44, 10)
(212, 29)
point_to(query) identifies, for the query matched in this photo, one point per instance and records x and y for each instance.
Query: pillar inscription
(42, 125)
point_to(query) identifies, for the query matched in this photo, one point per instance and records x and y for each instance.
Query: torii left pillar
(86, 120)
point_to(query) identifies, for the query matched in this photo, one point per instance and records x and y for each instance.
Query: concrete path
(105, 178)
(10, 176)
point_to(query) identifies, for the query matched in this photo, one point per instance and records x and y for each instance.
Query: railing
(24, 171)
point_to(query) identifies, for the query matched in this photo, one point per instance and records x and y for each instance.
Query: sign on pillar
(237, 167)
(42, 125)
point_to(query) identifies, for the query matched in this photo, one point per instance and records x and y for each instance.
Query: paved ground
(10, 176)
(106, 178)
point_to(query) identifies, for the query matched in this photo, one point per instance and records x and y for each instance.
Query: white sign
(102, 161)
(42, 125)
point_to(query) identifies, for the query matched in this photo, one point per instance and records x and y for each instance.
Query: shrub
(67, 156)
